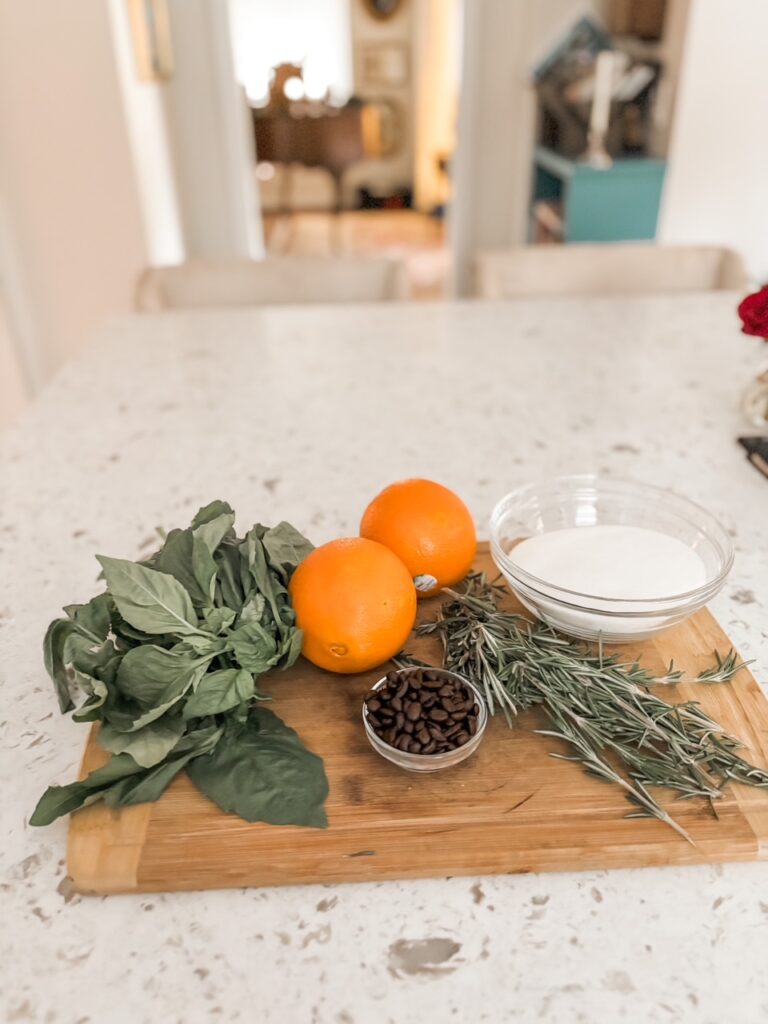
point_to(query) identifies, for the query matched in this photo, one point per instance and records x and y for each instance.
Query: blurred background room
(359, 149)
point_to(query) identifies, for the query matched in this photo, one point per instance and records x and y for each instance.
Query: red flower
(754, 314)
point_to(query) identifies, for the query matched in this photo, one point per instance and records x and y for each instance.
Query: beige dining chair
(287, 279)
(610, 268)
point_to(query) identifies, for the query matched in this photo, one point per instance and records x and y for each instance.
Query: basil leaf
(90, 711)
(212, 511)
(122, 782)
(92, 619)
(218, 619)
(149, 600)
(291, 649)
(229, 587)
(262, 771)
(147, 746)
(189, 561)
(285, 548)
(58, 800)
(253, 610)
(153, 676)
(153, 782)
(54, 643)
(218, 692)
(213, 532)
(254, 648)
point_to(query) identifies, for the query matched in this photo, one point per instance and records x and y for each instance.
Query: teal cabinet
(616, 204)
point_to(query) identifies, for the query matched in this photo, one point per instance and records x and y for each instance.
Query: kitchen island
(303, 414)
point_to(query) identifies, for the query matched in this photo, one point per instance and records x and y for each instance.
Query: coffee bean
(422, 711)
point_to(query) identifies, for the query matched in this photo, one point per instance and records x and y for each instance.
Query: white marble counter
(304, 414)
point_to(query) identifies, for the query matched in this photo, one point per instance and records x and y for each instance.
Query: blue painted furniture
(616, 204)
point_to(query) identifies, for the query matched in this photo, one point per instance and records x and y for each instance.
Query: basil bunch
(168, 659)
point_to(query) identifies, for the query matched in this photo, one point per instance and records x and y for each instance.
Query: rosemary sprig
(601, 706)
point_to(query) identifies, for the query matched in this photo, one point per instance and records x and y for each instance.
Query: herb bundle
(168, 659)
(602, 707)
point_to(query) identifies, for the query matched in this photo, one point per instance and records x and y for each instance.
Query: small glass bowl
(428, 762)
(582, 501)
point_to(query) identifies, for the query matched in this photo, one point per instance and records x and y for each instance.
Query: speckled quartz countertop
(303, 414)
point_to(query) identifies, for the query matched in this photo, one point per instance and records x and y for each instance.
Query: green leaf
(90, 711)
(254, 648)
(153, 676)
(122, 782)
(253, 610)
(218, 692)
(149, 600)
(262, 771)
(212, 511)
(147, 746)
(285, 548)
(291, 649)
(213, 532)
(58, 800)
(92, 619)
(230, 590)
(188, 560)
(55, 640)
(218, 619)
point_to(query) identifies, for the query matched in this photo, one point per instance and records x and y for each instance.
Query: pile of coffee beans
(423, 711)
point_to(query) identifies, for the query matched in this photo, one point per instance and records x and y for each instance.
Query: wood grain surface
(508, 808)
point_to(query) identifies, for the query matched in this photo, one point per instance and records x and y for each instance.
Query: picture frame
(382, 9)
(385, 64)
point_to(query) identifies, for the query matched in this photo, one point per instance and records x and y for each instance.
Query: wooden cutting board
(508, 808)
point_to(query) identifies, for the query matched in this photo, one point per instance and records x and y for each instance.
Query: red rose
(754, 313)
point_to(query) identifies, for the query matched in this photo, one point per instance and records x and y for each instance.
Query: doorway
(353, 106)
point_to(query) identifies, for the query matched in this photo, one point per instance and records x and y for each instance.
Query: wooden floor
(415, 238)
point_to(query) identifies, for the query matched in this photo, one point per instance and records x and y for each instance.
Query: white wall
(71, 203)
(144, 109)
(210, 137)
(717, 182)
(503, 41)
(436, 70)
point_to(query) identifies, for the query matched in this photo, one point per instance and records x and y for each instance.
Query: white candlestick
(601, 102)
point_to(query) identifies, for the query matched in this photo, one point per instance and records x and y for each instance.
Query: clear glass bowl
(429, 762)
(576, 501)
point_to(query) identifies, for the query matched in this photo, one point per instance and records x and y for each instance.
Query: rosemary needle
(599, 705)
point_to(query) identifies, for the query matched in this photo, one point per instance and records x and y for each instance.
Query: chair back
(610, 268)
(283, 280)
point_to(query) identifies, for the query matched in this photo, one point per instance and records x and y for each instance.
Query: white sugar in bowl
(607, 559)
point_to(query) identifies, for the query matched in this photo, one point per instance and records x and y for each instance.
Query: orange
(428, 527)
(355, 602)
